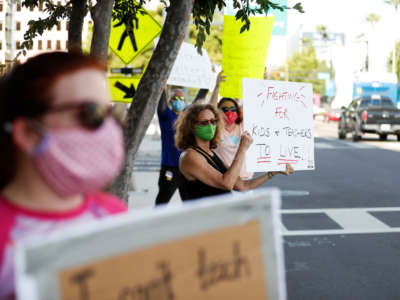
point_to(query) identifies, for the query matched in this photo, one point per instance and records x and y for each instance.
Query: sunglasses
(226, 109)
(178, 98)
(90, 114)
(206, 122)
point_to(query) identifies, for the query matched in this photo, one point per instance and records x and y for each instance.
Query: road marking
(352, 220)
(286, 232)
(356, 220)
(347, 144)
(319, 145)
(326, 210)
(290, 193)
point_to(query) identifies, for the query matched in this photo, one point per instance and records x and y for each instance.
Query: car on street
(371, 114)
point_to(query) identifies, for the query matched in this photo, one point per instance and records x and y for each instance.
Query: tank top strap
(213, 161)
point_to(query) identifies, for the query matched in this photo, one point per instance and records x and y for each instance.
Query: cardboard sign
(221, 248)
(244, 54)
(279, 117)
(192, 69)
(222, 263)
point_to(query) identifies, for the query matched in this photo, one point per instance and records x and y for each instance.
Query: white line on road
(352, 220)
(290, 193)
(356, 220)
(320, 145)
(326, 210)
(285, 232)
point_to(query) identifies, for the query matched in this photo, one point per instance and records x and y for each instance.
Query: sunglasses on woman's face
(90, 114)
(206, 122)
(226, 109)
(178, 98)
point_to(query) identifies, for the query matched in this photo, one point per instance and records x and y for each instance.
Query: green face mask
(206, 133)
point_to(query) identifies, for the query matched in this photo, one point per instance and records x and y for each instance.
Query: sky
(342, 15)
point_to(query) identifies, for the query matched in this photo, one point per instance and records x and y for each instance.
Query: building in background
(55, 39)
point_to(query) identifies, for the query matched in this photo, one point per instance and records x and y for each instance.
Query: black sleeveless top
(194, 189)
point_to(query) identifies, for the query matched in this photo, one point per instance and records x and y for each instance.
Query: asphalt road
(341, 222)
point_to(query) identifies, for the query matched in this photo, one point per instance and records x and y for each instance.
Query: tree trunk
(101, 15)
(150, 87)
(76, 25)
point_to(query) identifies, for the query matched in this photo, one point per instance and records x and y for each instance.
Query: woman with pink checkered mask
(59, 147)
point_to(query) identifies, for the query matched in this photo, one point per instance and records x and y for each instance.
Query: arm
(201, 94)
(214, 96)
(162, 104)
(194, 166)
(243, 185)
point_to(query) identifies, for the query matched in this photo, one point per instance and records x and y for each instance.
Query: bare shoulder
(190, 156)
(190, 163)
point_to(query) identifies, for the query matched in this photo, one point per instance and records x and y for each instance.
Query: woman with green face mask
(198, 131)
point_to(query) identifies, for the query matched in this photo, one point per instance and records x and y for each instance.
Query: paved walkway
(145, 177)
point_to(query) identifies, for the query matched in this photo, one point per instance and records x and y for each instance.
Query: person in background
(233, 129)
(204, 173)
(59, 147)
(170, 177)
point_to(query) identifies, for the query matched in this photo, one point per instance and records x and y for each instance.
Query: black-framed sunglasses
(206, 122)
(90, 114)
(226, 109)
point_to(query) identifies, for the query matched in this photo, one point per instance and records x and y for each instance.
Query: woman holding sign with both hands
(198, 131)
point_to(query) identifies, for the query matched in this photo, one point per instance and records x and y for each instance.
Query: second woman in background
(233, 129)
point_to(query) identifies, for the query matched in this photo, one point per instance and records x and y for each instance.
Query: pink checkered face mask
(79, 160)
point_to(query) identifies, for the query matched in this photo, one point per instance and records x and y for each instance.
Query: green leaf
(299, 7)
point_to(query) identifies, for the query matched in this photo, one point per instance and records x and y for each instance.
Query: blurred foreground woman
(59, 147)
(198, 131)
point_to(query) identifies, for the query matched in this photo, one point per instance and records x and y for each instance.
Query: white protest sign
(192, 69)
(279, 117)
(218, 248)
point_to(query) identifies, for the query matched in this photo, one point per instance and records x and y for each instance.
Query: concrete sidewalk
(145, 176)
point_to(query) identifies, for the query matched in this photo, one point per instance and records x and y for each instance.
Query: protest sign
(279, 117)
(244, 54)
(225, 247)
(192, 69)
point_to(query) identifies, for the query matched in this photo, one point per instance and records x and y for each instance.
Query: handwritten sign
(192, 69)
(218, 248)
(244, 54)
(279, 117)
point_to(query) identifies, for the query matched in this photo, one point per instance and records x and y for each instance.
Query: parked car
(371, 114)
(334, 114)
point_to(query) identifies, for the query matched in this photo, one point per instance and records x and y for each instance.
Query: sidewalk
(145, 176)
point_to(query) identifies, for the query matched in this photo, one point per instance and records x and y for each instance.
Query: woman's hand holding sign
(245, 141)
(289, 170)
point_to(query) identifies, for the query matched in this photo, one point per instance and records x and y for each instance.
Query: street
(341, 222)
(342, 231)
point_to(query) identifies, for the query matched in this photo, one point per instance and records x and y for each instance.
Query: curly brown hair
(184, 137)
